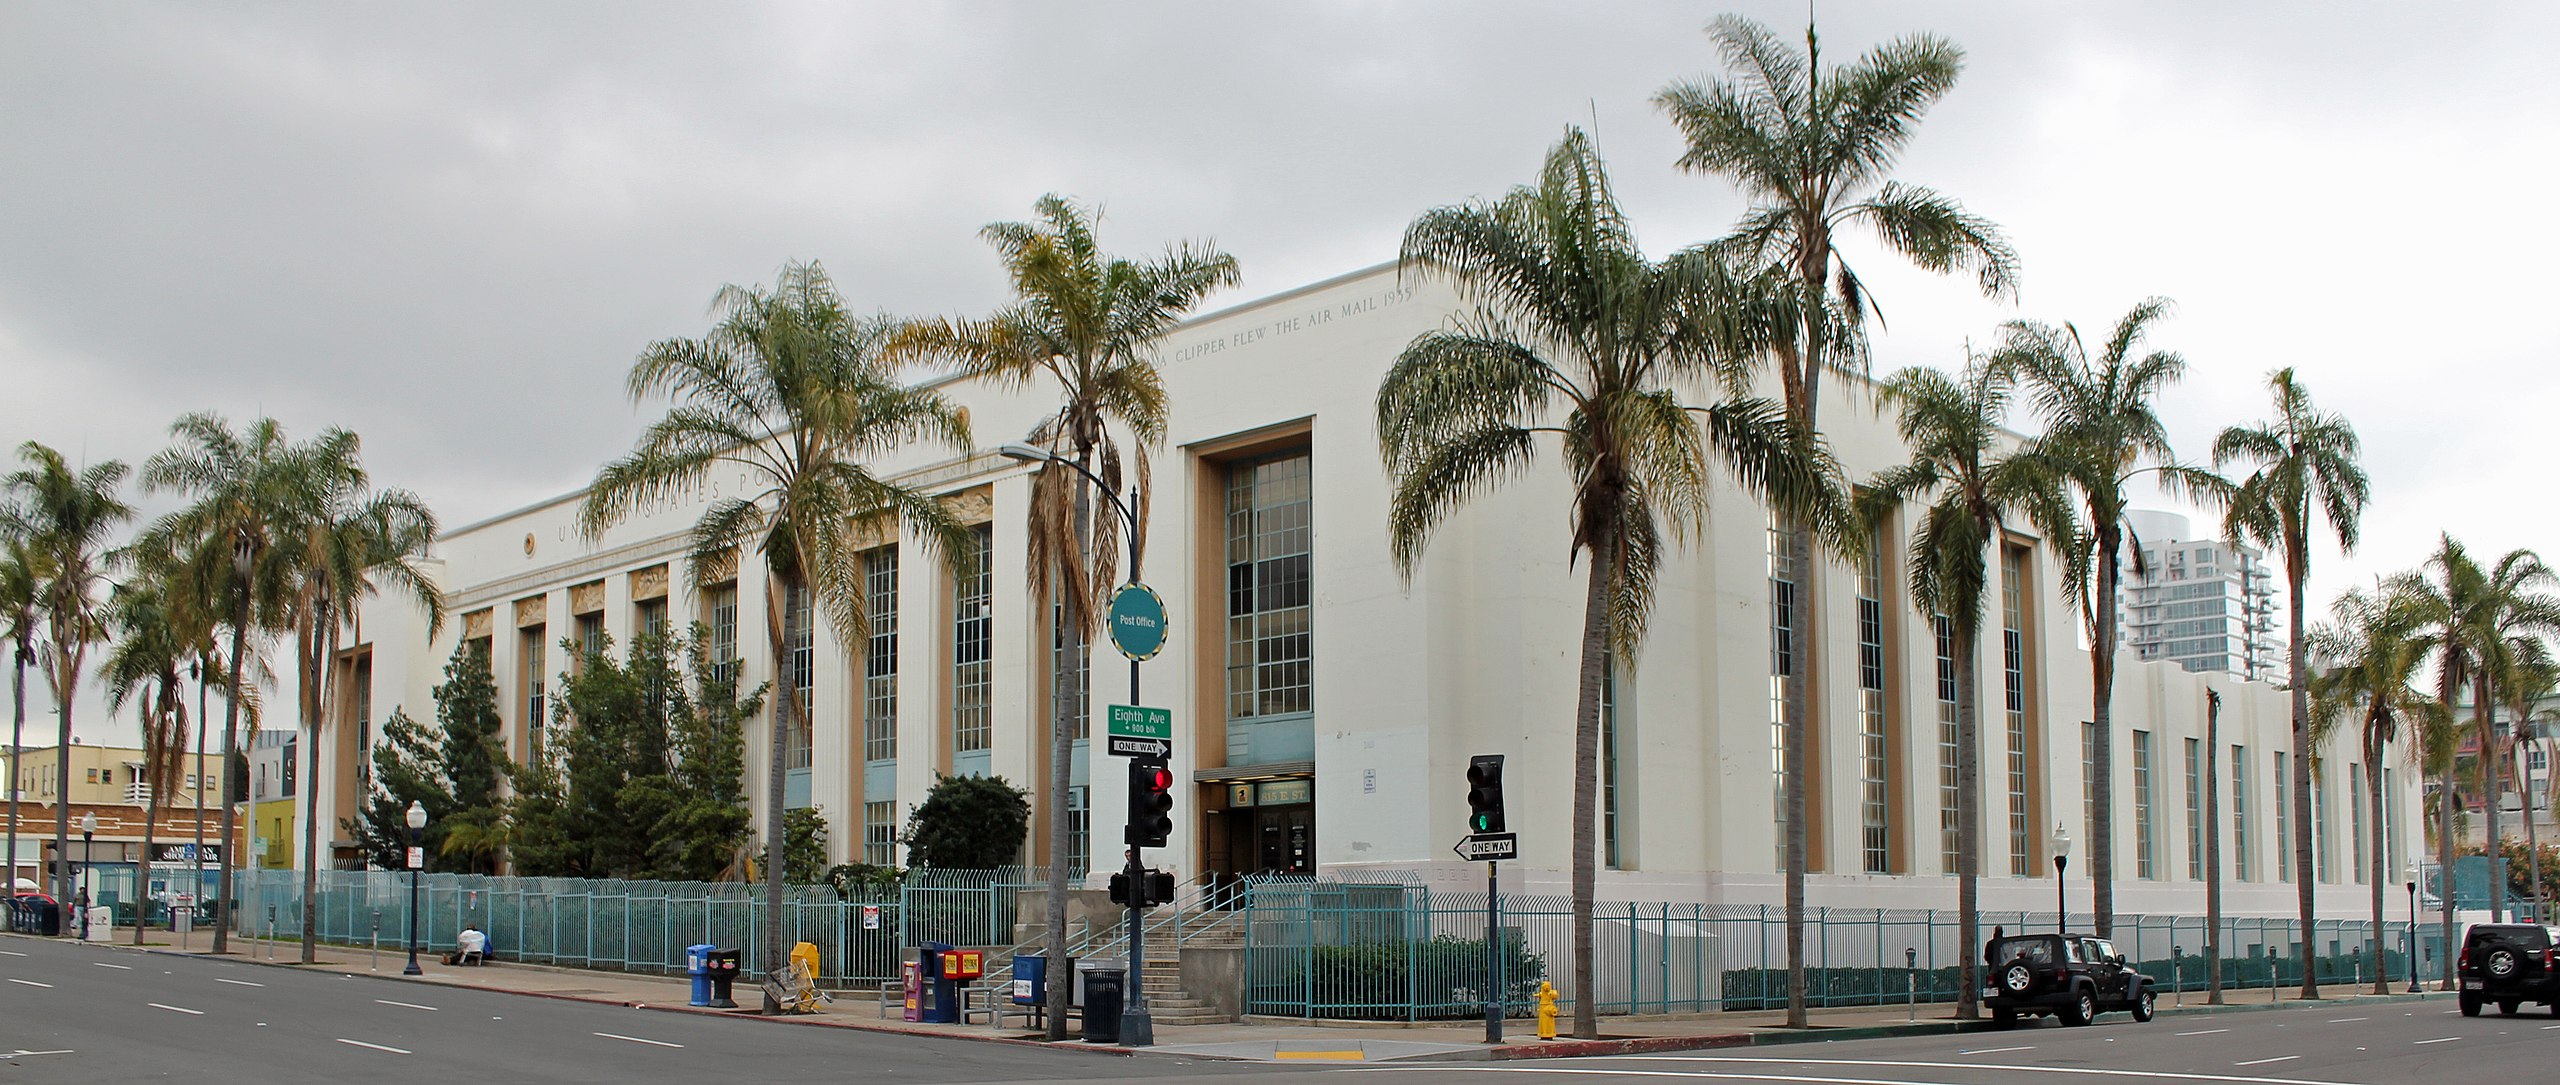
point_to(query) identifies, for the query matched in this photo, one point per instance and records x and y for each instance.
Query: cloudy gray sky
(450, 227)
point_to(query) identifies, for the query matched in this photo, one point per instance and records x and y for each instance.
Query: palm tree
(2514, 608)
(1572, 332)
(21, 571)
(2372, 647)
(2448, 600)
(792, 390)
(1089, 323)
(144, 668)
(2533, 678)
(1953, 427)
(1812, 149)
(2100, 431)
(354, 536)
(2305, 464)
(248, 488)
(66, 517)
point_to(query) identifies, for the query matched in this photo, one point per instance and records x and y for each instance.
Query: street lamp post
(2412, 876)
(88, 830)
(1137, 1024)
(417, 846)
(2061, 862)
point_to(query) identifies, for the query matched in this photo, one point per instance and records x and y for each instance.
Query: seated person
(470, 947)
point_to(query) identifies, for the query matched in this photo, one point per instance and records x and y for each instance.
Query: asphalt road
(87, 1014)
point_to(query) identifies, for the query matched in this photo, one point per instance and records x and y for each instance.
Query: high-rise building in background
(2202, 603)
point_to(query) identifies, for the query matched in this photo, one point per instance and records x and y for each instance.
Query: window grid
(2323, 846)
(653, 617)
(534, 703)
(1949, 822)
(2195, 809)
(2284, 821)
(1874, 809)
(972, 637)
(2145, 843)
(364, 724)
(1782, 657)
(1079, 829)
(2355, 825)
(2241, 867)
(1078, 669)
(1270, 545)
(1609, 760)
(590, 637)
(880, 833)
(720, 605)
(797, 627)
(880, 655)
(2089, 774)
(2013, 680)
(2397, 815)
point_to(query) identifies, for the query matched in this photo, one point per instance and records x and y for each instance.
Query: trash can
(942, 1004)
(697, 964)
(722, 965)
(1103, 996)
(182, 919)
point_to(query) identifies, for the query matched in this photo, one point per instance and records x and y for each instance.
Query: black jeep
(2507, 964)
(2071, 976)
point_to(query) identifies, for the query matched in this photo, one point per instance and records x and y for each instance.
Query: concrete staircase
(1166, 997)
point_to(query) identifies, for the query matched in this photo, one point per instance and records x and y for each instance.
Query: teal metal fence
(1405, 952)
(640, 926)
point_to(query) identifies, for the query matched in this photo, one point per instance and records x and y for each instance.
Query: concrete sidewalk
(1260, 1039)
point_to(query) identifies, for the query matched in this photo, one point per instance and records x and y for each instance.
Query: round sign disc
(1137, 621)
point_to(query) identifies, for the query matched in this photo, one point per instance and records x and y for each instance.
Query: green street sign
(1132, 722)
(1137, 621)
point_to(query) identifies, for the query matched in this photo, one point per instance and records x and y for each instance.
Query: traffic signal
(1484, 793)
(1150, 803)
(1154, 887)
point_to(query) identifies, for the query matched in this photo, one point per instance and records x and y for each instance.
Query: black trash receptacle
(45, 916)
(721, 966)
(1104, 994)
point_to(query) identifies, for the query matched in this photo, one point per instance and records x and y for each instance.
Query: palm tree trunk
(66, 684)
(2302, 754)
(150, 821)
(785, 709)
(1062, 752)
(1798, 778)
(2490, 777)
(230, 749)
(1968, 826)
(2532, 840)
(17, 741)
(195, 861)
(2102, 789)
(1586, 792)
(320, 672)
(2444, 871)
(2373, 752)
(2213, 848)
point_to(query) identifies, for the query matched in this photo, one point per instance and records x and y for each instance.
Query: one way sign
(1488, 846)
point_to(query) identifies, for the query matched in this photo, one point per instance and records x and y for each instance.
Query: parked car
(2508, 965)
(2071, 976)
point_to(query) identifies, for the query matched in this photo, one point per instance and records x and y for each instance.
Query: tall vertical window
(2013, 686)
(972, 638)
(2355, 825)
(2145, 842)
(1874, 808)
(1782, 663)
(720, 623)
(650, 617)
(590, 636)
(2195, 809)
(2322, 846)
(2392, 826)
(1079, 829)
(880, 833)
(2284, 821)
(2089, 774)
(880, 655)
(529, 679)
(1609, 855)
(2241, 867)
(1270, 541)
(1948, 791)
(801, 666)
(363, 708)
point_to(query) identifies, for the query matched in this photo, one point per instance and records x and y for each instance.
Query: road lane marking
(2263, 1062)
(2442, 1040)
(2076, 1071)
(1995, 1050)
(410, 1005)
(2344, 1020)
(30, 983)
(178, 1009)
(637, 1040)
(15, 953)
(243, 983)
(24, 1051)
(103, 964)
(377, 1047)
(2204, 1032)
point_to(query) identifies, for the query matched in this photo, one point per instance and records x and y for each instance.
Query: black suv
(2508, 964)
(2071, 976)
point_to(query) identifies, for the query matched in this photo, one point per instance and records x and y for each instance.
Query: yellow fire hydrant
(1546, 1010)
